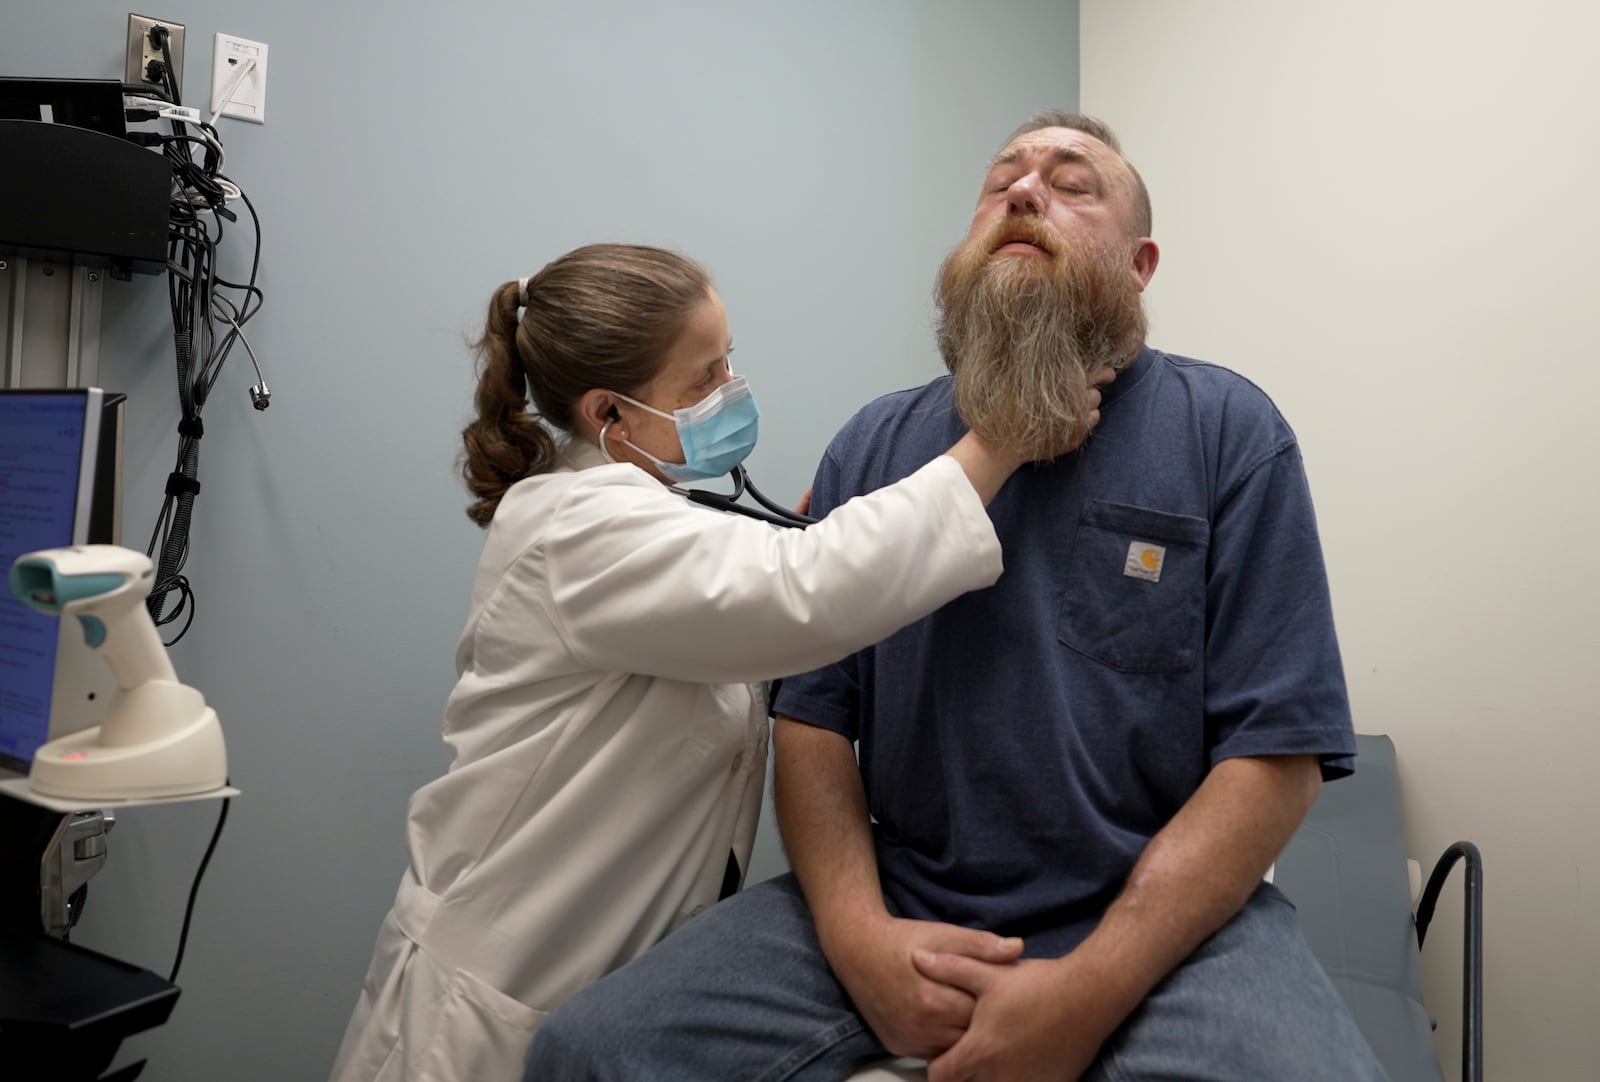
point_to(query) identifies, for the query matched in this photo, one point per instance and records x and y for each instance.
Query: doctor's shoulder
(573, 509)
(531, 503)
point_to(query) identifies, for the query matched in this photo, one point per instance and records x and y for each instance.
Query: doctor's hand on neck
(989, 464)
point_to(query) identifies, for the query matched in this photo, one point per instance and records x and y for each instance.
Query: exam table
(1346, 871)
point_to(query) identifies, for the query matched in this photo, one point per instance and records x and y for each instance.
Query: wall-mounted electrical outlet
(145, 62)
(239, 78)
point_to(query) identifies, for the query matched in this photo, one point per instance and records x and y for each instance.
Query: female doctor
(609, 726)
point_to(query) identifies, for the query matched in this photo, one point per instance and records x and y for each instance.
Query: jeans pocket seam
(811, 1049)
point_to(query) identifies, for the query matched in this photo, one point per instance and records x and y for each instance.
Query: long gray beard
(1021, 340)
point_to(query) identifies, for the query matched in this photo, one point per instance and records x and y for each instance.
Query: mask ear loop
(606, 451)
(779, 516)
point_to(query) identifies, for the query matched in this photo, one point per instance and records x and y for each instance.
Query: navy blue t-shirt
(1164, 606)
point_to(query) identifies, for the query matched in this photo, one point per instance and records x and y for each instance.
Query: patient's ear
(1146, 255)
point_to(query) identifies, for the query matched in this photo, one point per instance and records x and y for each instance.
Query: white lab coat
(610, 737)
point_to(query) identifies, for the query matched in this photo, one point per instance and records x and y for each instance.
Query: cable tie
(179, 485)
(191, 426)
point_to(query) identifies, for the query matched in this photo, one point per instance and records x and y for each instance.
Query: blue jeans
(743, 993)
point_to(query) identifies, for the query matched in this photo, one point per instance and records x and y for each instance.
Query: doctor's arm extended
(642, 582)
(648, 584)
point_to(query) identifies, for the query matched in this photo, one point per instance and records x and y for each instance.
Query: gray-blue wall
(820, 158)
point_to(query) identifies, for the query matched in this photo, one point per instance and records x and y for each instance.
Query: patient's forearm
(1199, 870)
(827, 833)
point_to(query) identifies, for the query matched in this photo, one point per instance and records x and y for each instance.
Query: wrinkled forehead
(1048, 145)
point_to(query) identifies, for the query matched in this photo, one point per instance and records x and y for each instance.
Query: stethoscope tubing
(774, 513)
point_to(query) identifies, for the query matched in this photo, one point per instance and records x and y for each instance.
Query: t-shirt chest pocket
(1135, 588)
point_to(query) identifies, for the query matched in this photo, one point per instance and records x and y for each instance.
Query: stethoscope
(773, 513)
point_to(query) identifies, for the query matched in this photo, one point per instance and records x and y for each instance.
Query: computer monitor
(60, 484)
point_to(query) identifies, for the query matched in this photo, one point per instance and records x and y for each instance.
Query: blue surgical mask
(716, 433)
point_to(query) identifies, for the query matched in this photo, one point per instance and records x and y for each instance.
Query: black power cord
(146, 90)
(200, 303)
(194, 890)
(209, 314)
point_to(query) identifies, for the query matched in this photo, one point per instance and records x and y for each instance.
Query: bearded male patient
(1046, 861)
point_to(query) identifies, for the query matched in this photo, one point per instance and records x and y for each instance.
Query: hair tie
(522, 292)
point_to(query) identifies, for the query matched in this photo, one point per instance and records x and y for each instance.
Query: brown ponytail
(600, 316)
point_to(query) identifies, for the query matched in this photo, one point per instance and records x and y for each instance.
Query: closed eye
(1074, 179)
(714, 369)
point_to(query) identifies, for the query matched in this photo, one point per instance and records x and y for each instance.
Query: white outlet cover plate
(249, 98)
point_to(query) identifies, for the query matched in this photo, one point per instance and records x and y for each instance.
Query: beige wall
(1386, 212)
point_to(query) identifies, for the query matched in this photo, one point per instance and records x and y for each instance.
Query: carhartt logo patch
(1144, 561)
